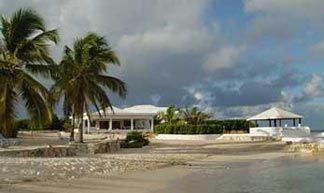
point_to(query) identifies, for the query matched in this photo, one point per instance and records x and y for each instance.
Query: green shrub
(136, 136)
(232, 125)
(209, 127)
(188, 129)
(22, 124)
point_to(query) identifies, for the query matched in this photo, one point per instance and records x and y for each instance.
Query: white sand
(187, 154)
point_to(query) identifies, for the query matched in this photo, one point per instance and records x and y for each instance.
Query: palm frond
(23, 24)
(46, 71)
(114, 84)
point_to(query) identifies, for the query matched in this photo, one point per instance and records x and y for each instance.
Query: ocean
(293, 174)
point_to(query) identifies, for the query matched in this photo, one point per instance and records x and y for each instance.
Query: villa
(140, 117)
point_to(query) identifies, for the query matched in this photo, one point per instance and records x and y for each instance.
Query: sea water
(285, 175)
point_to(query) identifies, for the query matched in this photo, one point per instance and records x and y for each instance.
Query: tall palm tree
(171, 115)
(194, 115)
(83, 79)
(24, 52)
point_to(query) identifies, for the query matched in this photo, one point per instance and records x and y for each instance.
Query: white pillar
(89, 126)
(83, 125)
(132, 124)
(110, 124)
(152, 124)
(97, 124)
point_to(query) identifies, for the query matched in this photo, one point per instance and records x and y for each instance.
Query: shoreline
(157, 179)
(160, 158)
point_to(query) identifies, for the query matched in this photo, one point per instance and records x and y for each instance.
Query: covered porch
(121, 120)
(119, 124)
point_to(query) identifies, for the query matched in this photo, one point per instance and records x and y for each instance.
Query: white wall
(187, 137)
(281, 131)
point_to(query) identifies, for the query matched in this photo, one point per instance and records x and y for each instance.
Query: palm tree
(194, 115)
(24, 52)
(83, 80)
(172, 115)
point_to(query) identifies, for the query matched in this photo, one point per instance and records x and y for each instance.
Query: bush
(22, 124)
(209, 127)
(188, 129)
(232, 125)
(137, 137)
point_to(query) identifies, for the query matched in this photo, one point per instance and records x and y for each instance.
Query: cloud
(155, 99)
(168, 38)
(224, 58)
(279, 89)
(318, 48)
(283, 20)
(272, 27)
(203, 99)
(313, 10)
(314, 88)
(183, 53)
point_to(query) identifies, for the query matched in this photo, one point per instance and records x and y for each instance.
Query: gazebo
(275, 116)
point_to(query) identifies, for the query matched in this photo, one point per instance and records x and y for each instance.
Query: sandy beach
(149, 169)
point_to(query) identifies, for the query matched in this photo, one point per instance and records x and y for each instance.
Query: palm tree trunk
(73, 127)
(80, 140)
(4, 126)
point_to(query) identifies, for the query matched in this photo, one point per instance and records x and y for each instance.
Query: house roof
(145, 109)
(140, 110)
(275, 113)
(109, 111)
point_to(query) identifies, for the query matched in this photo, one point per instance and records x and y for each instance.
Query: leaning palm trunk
(79, 112)
(72, 129)
(4, 128)
(80, 133)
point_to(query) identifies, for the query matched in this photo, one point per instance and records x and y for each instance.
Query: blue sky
(232, 58)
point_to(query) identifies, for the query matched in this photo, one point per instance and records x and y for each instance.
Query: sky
(231, 58)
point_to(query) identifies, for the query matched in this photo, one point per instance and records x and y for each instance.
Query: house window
(104, 124)
(127, 124)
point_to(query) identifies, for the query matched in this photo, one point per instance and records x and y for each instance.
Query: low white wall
(292, 132)
(283, 132)
(187, 137)
(297, 139)
(266, 131)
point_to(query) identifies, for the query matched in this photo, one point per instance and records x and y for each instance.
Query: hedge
(188, 129)
(209, 127)
(232, 125)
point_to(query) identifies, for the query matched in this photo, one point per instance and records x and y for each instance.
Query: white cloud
(283, 19)
(169, 38)
(318, 48)
(203, 99)
(225, 57)
(310, 9)
(155, 99)
(314, 87)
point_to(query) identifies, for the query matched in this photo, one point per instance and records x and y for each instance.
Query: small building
(140, 117)
(281, 124)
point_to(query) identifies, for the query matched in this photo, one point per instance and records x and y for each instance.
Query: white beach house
(280, 124)
(140, 117)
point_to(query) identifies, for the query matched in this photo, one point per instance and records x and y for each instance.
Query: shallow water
(293, 174)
